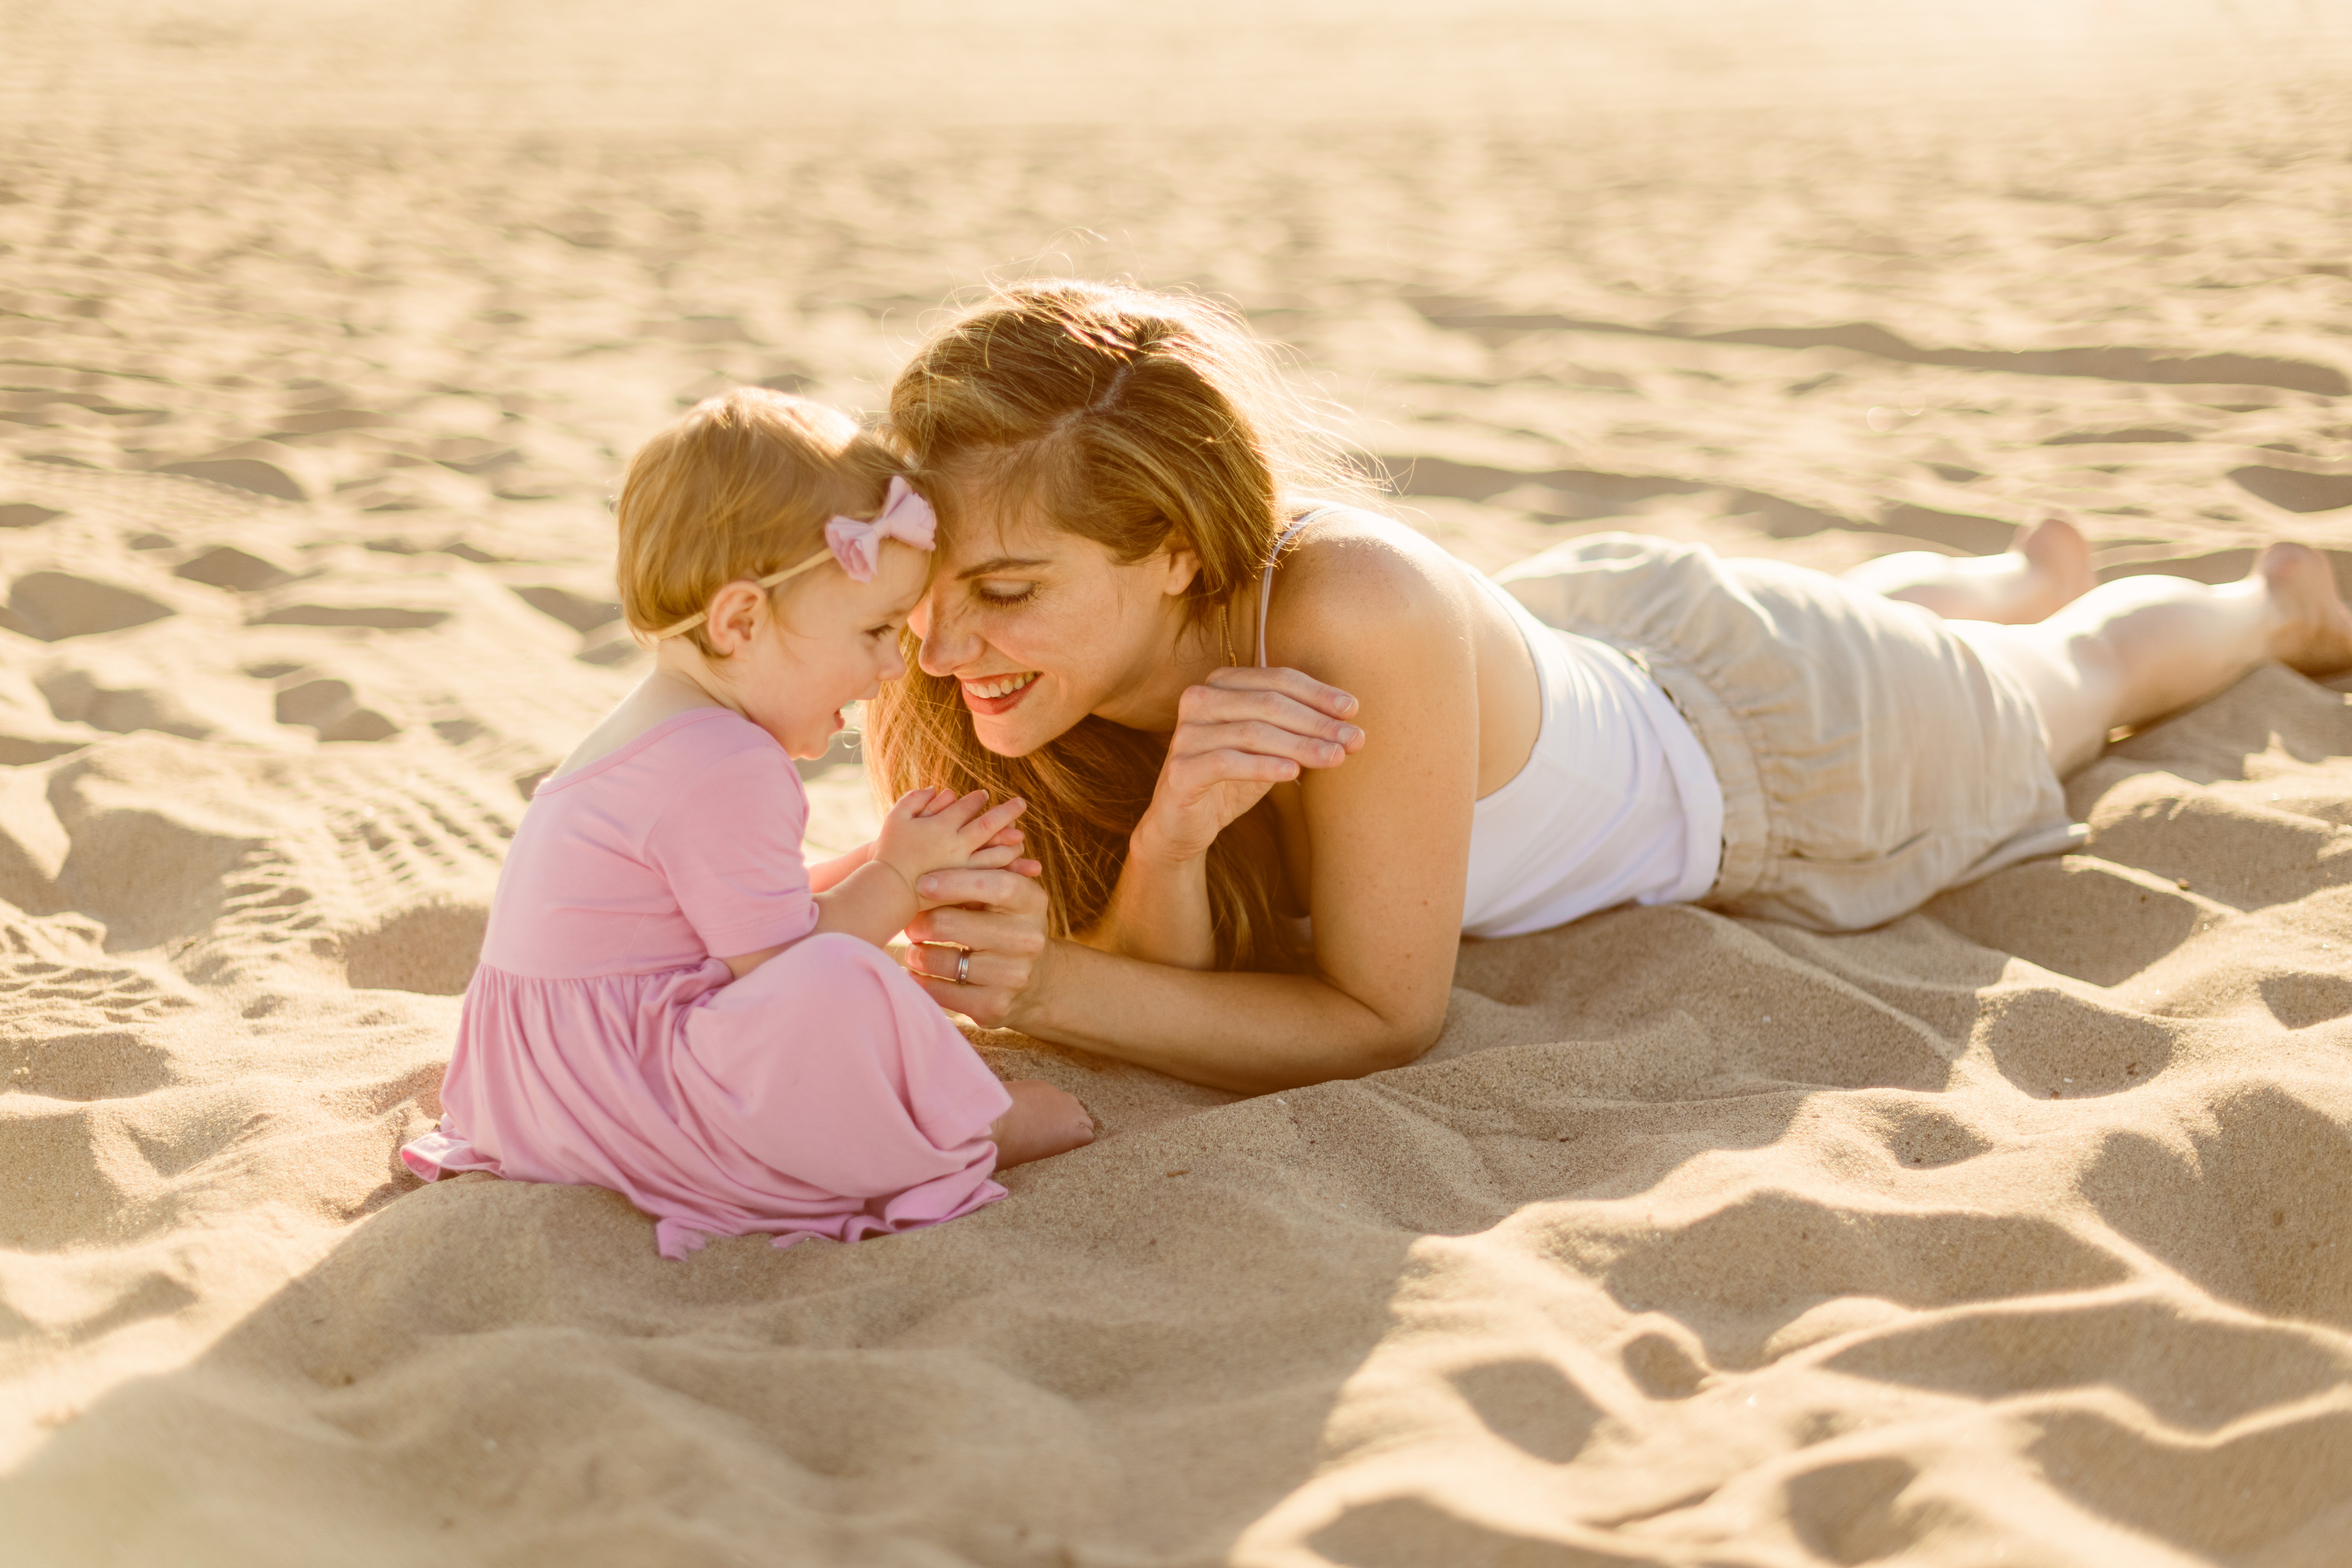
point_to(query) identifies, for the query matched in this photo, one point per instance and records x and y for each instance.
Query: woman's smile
(997, 694)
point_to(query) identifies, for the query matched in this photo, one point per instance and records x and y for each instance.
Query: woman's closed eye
(1003, 594)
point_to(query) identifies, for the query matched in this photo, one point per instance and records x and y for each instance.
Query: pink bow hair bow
(905, 516)
(855, 543)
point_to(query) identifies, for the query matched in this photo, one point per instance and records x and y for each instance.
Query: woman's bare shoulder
(1358, 570)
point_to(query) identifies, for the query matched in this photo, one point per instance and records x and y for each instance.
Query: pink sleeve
(729, 848)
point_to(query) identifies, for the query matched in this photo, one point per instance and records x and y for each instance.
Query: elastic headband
(854, 542)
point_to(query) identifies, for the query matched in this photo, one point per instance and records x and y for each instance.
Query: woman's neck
(1195, 646)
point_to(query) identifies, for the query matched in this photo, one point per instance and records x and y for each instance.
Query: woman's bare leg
(2138, 647)
(2047, 568)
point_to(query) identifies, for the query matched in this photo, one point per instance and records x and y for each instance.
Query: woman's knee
(2073, 677)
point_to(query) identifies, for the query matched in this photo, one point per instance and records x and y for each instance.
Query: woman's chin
(1014, 734)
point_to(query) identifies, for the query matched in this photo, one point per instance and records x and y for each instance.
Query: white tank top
(1617, 804)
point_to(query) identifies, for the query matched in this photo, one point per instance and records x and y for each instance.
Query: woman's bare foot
(2061, 560)
(2316, 638)
(1043, 1121)
(2046, 568)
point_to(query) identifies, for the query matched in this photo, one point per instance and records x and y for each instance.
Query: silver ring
(963, 967)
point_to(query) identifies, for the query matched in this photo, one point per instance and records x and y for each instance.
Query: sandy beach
(2018, 1230)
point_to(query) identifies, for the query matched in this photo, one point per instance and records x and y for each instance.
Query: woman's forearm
(1248, 1033)
(1159, 912)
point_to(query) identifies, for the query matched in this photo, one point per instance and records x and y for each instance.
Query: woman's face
(1041, 627)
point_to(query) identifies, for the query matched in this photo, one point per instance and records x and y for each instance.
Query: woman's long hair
(1144, 421)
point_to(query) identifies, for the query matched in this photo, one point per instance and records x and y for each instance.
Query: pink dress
(602, 1044)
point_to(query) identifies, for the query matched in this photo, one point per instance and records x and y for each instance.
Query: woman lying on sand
(1230, 704)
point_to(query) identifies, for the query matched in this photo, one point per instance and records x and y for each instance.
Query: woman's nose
(946, 645)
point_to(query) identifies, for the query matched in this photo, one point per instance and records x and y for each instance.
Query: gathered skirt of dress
(821, 1094)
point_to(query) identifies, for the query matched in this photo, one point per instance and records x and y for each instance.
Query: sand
(2018, 1230)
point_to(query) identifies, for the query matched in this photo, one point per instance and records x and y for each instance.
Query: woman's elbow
(1402, 1039)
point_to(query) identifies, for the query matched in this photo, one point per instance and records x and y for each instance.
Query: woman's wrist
(1159, 910)
(1030, 1009)
(1152, 847)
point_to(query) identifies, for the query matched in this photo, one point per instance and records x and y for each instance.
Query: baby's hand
(932, 830)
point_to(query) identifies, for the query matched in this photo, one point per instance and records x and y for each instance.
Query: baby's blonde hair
(740, 487)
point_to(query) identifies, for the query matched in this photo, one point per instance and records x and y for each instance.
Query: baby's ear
(734, 616)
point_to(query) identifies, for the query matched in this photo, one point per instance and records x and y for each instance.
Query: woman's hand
(1238, 735)
(998, 917)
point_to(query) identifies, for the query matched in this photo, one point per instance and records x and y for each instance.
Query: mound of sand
(2018, 1230)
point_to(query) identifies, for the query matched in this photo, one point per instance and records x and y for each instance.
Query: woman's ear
(734, 616)
(1184, 566)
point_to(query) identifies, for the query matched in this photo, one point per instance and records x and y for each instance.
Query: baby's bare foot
(1043, 1121)
(2317, 637)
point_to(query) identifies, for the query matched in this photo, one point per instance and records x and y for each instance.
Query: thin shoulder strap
(1266, 580)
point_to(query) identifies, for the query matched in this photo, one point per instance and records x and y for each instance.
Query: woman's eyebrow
(995, 563)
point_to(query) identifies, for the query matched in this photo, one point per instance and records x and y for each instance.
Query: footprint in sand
(226, 566)
(429, 947)
(329, 422)
(578, 611)
(22, 751)
(1528, 1403)
(604, 639)
(2293, 489)
(379, 618)
(90, 1042)
(400, 544)
(2248, 1205)
(252, 474)
(81, 1195)
(473, 454)
(55, 605)
(333, 708)
(94, 1064)
(374, 495)
(612, 646)
(155, 829)
(2137, 435)
(77, 696)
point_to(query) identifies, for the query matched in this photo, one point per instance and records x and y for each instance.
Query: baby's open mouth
(998, 685)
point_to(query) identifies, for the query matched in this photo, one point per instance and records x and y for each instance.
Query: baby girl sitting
(670, 1002)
